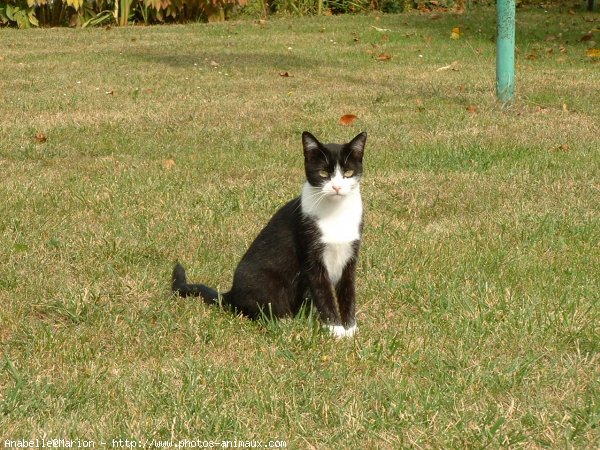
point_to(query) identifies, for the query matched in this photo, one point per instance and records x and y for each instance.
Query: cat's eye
(323, 174)
(348, 173)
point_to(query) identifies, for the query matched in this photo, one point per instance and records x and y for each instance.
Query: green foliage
(18, 13)
(392, 6)
(347, 6)
(27, 13)
(317, 7)
(99, 19)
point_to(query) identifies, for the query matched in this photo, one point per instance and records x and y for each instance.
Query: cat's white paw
(351, 331)
(339, 331)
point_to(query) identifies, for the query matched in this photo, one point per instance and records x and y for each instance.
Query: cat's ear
(310, 144)
(357, 145)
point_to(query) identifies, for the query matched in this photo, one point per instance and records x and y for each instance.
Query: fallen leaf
(214, 64)
(571, 12)
(587, 36)
(593, 53)
(385, 56)
(385, 38)
(561, 148)
(111, 92)
(456, 32)
(40, 138)
(381, 30)
(435, 16)
(347, 119)
(472, 109)
(565, 108)
(168, 163)
(531, 56)
(451, 66)
(285, 75)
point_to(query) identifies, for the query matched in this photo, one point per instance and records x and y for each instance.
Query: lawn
(125, 150)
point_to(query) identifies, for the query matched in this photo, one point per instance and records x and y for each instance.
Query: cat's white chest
(338, 233)
(339, 223)
(335, 258)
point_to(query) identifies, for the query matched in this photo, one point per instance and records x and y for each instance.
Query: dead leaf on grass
(561, 148)
(593, 53)
(40, 138)
(456, 32)
(285, 75)
(452, 66)
(381, 30)
(472, 109)
(347, 119)
(385, 56)
(168, 163)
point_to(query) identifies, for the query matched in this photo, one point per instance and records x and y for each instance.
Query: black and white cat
(309, 248)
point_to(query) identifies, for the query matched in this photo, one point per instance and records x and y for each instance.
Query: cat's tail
(181, 287)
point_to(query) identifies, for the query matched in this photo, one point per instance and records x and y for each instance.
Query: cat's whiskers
(316, 197)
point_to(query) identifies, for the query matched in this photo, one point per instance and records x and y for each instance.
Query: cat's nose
(337, 189)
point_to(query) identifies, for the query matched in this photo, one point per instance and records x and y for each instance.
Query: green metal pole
(505, 50)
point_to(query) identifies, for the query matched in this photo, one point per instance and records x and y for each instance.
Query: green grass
(478, 283)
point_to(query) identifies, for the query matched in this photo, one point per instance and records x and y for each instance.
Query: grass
(478, 282)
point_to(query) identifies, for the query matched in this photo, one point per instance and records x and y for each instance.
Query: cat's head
(333, 168)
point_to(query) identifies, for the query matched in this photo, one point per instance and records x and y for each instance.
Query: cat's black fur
(284, 265)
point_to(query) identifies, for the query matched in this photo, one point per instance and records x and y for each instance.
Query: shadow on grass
(276, 60)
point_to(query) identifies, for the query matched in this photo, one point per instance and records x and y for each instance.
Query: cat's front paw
(339, 331)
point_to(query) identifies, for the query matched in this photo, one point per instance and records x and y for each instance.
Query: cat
(309, 248)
